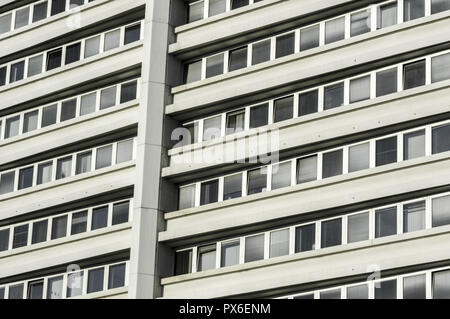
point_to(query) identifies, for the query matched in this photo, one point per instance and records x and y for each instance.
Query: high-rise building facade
(224, 149)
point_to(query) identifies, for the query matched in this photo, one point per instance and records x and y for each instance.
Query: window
(307, 169)
(360, 89)
(334, 96)
(358, 157)
(44, 173)
(30, 121)
(132, 34)
(238, 59)
(124, 151)
(335, 30)
(285, 45)
(257, 181)
(5, 23)
(230, 253)
(331, 294)
(104, 157)
(16, 72)
(2, 293)
(95, 280)
(332, 164)
(58, 6)
(36, 289)
(212, 128)
(25, 177)
(196, 11)
(308, 103)
(59, 227)
(7, 183)
(360, 23)
(112, 40)
(16, 292)
(116, 276)
(79, 223)
(232, 186)
(387, 15)
(437, 6)
(54, 59)
(307, 296)
(260, 52)
(259, 115)
(186, 197)
(35, 65)
(3, 76)
(235, 121)
(40, 11)
(12, 126)
(128, 92)
(183, 262)
(39, 232)
(73, 53)
(74, 284)
(64, 167)
(20, 238)
(279, 243)
(440, 68)
(358, 227)
(305, 238)
(386, 82)
(358, 292)
(92, 47)
(49, 115)
(120, 213)
(281, 175)
(441, 211)
(441, 284)
(54, 287)
(194, 71)
(88, 102)
(386, 151)
(4, 239)
(22, 17)
(84, 162)
(108, 97)
(385, 222)
(440, 141)
(283, 109)
(209, 192)
(386, 290)
(216, 7)
(214, 65)
(413, 9)
(414, 145)
(254, 248)
(99, 217)
(331, 233)
(206, 258)
(414, 287)
(414, 74)
(309, 38)
(68, 110)
(235, 4)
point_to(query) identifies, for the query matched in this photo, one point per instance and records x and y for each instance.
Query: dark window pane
(30, 121)
(358, 227)
(95, 280)
(386, 151)
(260, 52)
(414, 75)
(183, 262)
(305, 238)
(414, 287)
(79, 223)
(99, 217)
(283, 109)
(441, 284)
(108, 97)
(64, 167)
(230, 254)
(5, 23)
(441, 211)
(307, 296)
(238, 3)
(68, 110)
(20, 238)
(59, 227)
(16, 292)
(257, 181)
(334, 30)
(54, 59)
(439, 6)
(84, 162)
(235, 121)
(285, 45)
(254, 248)
(73, 53)
(116, 276)
(440, 139)
(387, 15)
(209, 192)
(49, 115)
(214, 65)
(440, 68)
(3, 76)
(358, 292)
(332, 164)
(132, 34)
(58, 6)
(307, 169)
(88, 103)
(44, 173)
(309, 38)
(386, 222)
(238, 59)
(4, 239)
(360, 23)
(26, 177)
(414, 145)
(22, 17)
(232, 186)
(413, 9)
(17, 71)
(7, 182)
(193, 72)
(331, 233)
(36, 290)
(386, 290)
(120, 213)
(206, 258)
(196, 11)
(334, 96)
(35, 65)
(40, 11)
(39, 232)
(2, 293)
(308, 103)
(12, 126)
(331, 294)
(259, 115)
(128, 92)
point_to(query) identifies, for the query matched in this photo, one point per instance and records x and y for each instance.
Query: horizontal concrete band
(387, 253)
(380, 182)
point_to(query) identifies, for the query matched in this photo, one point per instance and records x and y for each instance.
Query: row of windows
(430, 284)
(65, 110)
(404, 217)
(62, 225)
(392, 79)
(306, 38)
(39, 11)
(401, 146)
(69, 284)
(202, 9)
(69, 53)
(66, 166)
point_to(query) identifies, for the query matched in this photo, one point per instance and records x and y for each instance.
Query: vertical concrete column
(147, 219)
